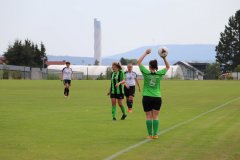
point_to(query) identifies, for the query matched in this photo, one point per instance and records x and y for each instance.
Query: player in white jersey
(129, 88)
(67, 76)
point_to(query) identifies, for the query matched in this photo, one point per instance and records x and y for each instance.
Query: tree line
(227, 50)
(26, 53)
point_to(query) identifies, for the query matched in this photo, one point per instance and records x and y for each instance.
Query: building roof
(189, 66)
(198, 63)
(48, 63)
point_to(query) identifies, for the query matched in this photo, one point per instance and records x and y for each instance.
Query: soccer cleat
(123, 116)
(155, 137)
(129, 110)
(114, 119)
(149, 137)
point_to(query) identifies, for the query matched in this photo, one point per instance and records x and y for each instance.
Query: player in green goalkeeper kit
(152, 100)
(117, 90)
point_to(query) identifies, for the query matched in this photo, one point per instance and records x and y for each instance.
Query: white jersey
(130, 78)
(67, 73)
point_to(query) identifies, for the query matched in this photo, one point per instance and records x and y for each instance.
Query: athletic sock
(129, 103)
(67, 91)
(149, 127)
(123, 110)
(155, 127)
(114, 111)
(64, 91)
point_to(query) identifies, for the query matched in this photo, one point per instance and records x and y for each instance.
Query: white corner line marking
(169, 129)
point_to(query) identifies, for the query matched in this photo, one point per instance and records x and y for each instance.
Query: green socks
(114, 111)
(149, 127)
(123, 110)
(152, 127)
(155, 127)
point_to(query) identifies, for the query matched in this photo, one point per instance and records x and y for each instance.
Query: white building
(175, 72)
(189, 72)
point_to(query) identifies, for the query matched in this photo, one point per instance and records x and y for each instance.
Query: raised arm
(139, 61)
(166, 63)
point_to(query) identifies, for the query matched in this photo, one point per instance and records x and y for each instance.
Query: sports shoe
(129, 110)
(155, 137)
(114, 119)
(123, 116)
(149, 137)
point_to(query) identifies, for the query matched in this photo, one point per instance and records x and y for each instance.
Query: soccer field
(198, 120)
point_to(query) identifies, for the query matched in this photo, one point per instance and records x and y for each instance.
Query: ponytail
(119, 65)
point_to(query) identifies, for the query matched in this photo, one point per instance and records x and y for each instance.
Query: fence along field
(22, 72)
(37, 122)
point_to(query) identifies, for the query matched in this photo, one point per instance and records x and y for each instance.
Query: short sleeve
(123, 75)
(135, 75)
(63, 69)
(144, 70)
(162, 71)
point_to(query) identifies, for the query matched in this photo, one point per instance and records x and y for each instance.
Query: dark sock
(129, 103)
(67, 91)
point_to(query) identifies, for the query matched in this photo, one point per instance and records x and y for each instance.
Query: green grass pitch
(38, 123)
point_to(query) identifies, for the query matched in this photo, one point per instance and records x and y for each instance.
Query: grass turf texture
(37, 122)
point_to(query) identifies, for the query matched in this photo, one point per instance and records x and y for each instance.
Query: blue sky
(66, 26)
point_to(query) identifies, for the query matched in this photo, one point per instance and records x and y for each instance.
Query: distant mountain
(73, 60)
(80, 60)
(193, 52)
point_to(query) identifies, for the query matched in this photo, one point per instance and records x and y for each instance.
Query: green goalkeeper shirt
(151, 85)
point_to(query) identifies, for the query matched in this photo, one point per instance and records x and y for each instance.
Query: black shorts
(129, 91)
(150, 103)
(66, 81)
(117, 96)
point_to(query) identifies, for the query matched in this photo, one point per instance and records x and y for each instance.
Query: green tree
(125, 61)
(43, 52)
(25, 54)
(108, 73)
(228, 48)
(96, 63)
(237, 69)
(101, 77)
(133, 61)
(213, 71)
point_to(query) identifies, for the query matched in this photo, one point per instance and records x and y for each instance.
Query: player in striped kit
(117, 90)
(129, 88)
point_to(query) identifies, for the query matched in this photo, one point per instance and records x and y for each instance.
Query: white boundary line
(168, 129)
